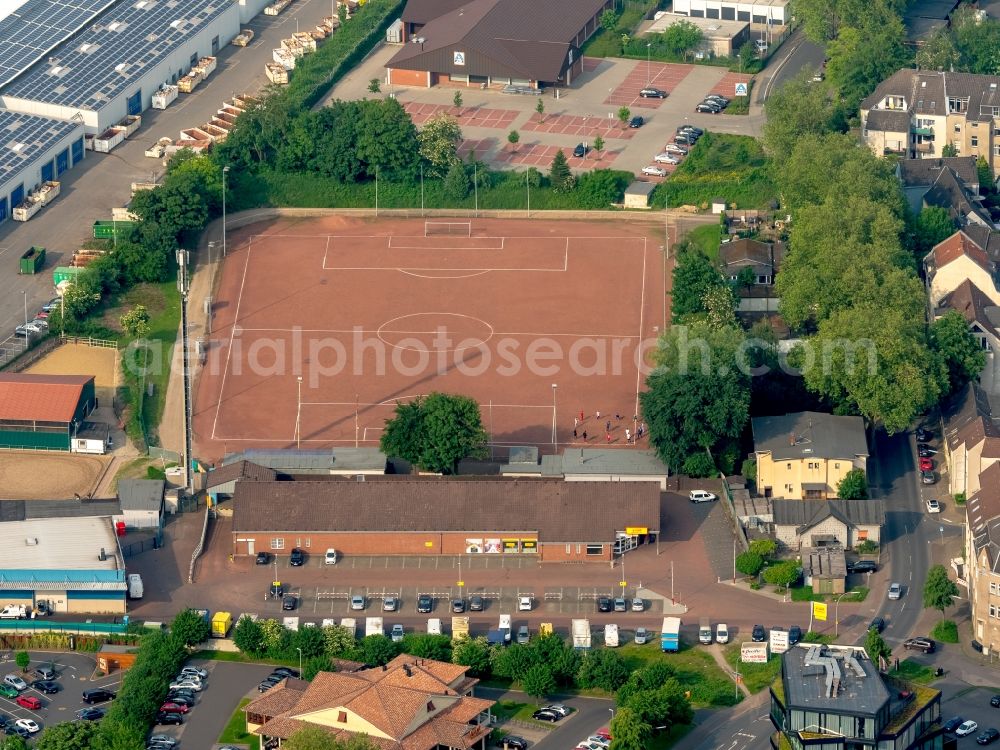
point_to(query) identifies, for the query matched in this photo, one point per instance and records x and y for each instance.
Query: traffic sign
(461, 583)
(741, 89)
(623, 584)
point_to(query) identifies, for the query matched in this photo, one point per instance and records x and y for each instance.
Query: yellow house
(409, 704)
(803, 456)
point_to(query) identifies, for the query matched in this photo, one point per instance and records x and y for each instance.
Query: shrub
(764, 547)
(698, 465)
(749, 563)
(945, 631)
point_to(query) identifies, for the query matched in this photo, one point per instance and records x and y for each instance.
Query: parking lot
(74, 673)
(664, 76)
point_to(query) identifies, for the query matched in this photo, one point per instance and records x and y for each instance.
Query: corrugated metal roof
(559, 511)
(41, 398)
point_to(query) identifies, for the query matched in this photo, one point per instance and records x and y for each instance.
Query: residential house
(827, 523)
(763, 259)
(978, 310)
(919, 175)
(971, 439)
(805, 455)
(963, 205)
(409, 704)
(916, 113)
(957, 259)
(983, 570)
(834, 697)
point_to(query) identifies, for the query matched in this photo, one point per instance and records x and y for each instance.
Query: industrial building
(756, 12)
(70, 69)
(72, 564)
(494, 43)
(43, 412)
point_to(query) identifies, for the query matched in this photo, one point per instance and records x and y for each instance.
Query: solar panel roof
(103, 61)
(23, 138)
(37, 27)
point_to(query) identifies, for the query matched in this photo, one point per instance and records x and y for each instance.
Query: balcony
(927, 147)
(922, 131)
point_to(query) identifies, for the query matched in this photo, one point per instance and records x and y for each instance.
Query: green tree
(949, 149)
(764, 547)
(798, 108)
(624, 113)
(562, 660)
(875, 646)
(316, 664)
(938, 52)
(427, 646)
(749, 469)
(376, 650)
(435, 432)
(248, 636)
(374, 86)
(538, 681)
(13, 743)
(339, 641)
(439, 139)
(135, 322)
(473, 653)
(853, 485)
(540, 109)
(311, 641)
(609, 20)
(932, 225)
(319, 738)
(598, 143)
(698, 465)
(22, 659)
(628, 730)
(694, 277)
(959, 350)
(68, 735)
(602, 668)
(457, 101)
(559, 175)
(681, 38)
(513, 662)
(342, 14)
(189, 628)
(720, 307)
(456, 184)
(749, 563)
(274, 636)
(860, 59)
(976, 40)
(782, 574)
(939, 590)
(385, 135)
(513, 138)
(987, 182)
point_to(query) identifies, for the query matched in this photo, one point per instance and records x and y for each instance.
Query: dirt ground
(80, 359)
(51, 476)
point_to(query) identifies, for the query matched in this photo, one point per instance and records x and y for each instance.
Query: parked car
(721, 633)
(641, 636)
(187, 683)
(676, 148)
(93, 714)
(163, 739)
(701, 496)
(919, 644)
(458, 605)
(201, 674)
(289, 602)
(266, 685)
(862, 566)
(277, 590)
(794, 635)
(52, 304)
(476, 603)
(182, 693)
(925, 450)
(98, 695)
(396, 633)
(698, 132)
(967, 727)
(953, 723)
(603, 604)
(718, 99)
(933, 506)
(877, 624)
(263, 558)
(13, 728)
(995, 701)
(988, 736)
(895, 591)
(666, 158)
(15, 682)
(169, 718)
(357, 602)
(424, 603)
(559, 708)
(523, 636)
(638, 605)
(181, 700)
(654, 171)
(580, 150)
(45, 672)
(330, 558)
(49, 687)
(636, 122)
(759, 635)
(542, 715)
(174, 707)
(286, 672)
(928, 477)
(28, 701)
(390, 604)
(515, 742)
(621, 605)
(297, 557)
(926, 464)
(651, 92)
(6, 691)
(924, 435)
(28, 725)
(708, 107)
(685, 139)
(524, 604)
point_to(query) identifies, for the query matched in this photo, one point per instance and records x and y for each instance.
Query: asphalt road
(796, 54)
(590, 714)
(102, 181)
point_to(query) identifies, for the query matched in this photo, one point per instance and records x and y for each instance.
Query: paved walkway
(716, 651)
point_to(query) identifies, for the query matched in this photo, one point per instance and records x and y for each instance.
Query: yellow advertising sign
(819, 611)
(636, 530)
(428, 544)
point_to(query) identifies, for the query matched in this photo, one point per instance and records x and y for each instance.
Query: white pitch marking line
(642, 309)
(497, 333)
(232, 335)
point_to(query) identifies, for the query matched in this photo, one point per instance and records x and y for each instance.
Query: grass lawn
(707, 238)
(669, 739)
(235, 731)
(805, 594)
(206, 653)
(505, 710)
(740, 105)
(756, 677)
(695, 669)
(946, 631)
(913, 671)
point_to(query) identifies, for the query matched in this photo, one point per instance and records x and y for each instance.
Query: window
(836, 466)
(569, 549)
(996, 149)
(595, 549)
(958, 146)
(430, 706)
(862, 535)
(277, 543)
(958, 127)
(974, 141)
(342, 717)
(955, 104)
(993, 587)
(789, 467)
(993, 610)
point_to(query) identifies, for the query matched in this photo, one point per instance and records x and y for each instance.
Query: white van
(705, 632)
(721, 633)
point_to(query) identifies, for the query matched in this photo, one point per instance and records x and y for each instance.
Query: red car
(604, 732)
(174, 708)
(28, 701)
(926, 464)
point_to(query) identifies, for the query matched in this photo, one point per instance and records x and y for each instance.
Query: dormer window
(342, 717)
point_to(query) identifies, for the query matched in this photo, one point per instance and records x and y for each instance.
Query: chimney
(791, 438)
(103, 556)
(409, 672)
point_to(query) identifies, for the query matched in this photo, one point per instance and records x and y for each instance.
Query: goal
(452, 228)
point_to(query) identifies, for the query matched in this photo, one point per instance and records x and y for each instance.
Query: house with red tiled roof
(979, 312)
(971, 439)
(408, 704)
(955, 260)
(44, 411)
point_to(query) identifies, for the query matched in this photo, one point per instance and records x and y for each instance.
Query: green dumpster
(33, 260)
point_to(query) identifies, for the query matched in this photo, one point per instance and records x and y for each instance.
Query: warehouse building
(72, 564)
(494, 43)
(556, 520)
(43, 412)
(756, 12)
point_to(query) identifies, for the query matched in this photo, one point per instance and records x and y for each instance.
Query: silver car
(895, 591)
(357, 602)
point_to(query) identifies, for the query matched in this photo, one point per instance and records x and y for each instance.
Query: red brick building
(551, 518)
(494, 43)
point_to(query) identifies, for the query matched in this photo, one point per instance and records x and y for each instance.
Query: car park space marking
(726, 86)
(659, 75)
(481, 117)
(584, 126)
(539, 155)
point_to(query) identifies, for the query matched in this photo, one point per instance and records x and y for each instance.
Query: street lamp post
(836, 614)
(555, 437)
(24, 294)
(740, 58)
(648, 76)
(300, 660)
(298, 417)
(225, 172)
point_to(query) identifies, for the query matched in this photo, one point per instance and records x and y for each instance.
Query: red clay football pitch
(321, 325)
